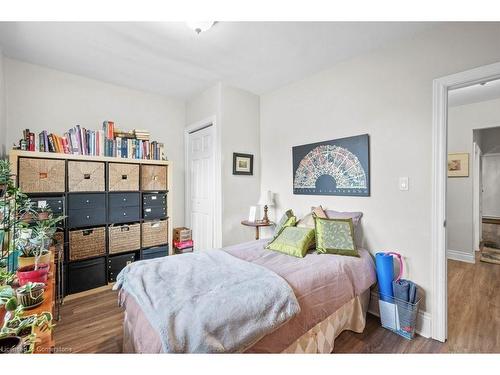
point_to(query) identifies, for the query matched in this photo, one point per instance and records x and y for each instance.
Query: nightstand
(257, 225)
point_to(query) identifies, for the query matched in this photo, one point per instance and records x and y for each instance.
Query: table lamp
(266, 200)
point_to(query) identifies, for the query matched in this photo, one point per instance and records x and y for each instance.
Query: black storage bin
(85, 201)
(151, 213)
(56, 204)
(90, 217)
(86, 210)
(124, 214)
(154, 252)
(85, 275)
(154, 199)
(118, 262)
(124, 199)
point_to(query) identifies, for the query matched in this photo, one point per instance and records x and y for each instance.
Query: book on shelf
(108, 141)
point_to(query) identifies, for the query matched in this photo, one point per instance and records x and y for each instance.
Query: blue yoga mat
(385, 275)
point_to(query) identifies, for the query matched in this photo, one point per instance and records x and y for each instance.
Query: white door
(201, 189)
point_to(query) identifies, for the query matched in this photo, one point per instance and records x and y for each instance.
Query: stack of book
(109, 141)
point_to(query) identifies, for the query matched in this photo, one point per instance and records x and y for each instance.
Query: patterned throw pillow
(293, 241)
(308, 220)
(335, 236)
(287, 220)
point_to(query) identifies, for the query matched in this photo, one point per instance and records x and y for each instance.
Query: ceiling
(474, 94)
(170, 59)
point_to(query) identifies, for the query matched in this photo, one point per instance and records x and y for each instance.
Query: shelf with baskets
(118, 210)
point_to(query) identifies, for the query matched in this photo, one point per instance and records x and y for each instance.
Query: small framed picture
(242, 164)
(458, 165)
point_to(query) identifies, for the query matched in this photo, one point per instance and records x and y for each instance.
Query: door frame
(476, 196)
(217, 186)
(440, 87)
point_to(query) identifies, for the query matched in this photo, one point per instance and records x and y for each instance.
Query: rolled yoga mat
(405, 294)
(385, 275)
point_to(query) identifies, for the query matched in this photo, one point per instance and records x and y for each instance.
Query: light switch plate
(403, 183)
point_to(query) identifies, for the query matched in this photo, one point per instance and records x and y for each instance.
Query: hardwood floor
(90, 324)
(93, 323)
(473, 307)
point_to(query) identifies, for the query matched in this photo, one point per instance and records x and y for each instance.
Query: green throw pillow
(293, 241)
(287, 220)
(335, 236)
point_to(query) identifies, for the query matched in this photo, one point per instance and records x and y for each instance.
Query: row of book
(106, 142)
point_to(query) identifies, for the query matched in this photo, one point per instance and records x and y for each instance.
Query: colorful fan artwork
(336, 167)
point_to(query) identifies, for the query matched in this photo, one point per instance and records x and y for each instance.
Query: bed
(332, 291)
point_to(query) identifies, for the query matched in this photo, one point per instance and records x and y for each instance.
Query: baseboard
(423, 320)
(460, 256)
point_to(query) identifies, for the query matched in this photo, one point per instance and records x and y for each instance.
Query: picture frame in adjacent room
(337, 167)
(458, 164)
(242, 164)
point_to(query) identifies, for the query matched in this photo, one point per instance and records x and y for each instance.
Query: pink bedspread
(322, 283)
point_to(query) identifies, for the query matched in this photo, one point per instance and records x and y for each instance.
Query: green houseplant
(19, 325)
(5, 176)
(30, 294)
(33, 242)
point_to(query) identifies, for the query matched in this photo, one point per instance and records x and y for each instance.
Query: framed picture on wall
(458, 165)
(242, 164)
(336, 167)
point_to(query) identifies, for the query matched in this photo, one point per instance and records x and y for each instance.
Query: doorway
(439, 219)
(202, 198)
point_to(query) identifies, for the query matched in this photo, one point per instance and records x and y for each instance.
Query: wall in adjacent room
(462, 120)
(39, 98)
(237, 115)
(386, 93)
(490, 138)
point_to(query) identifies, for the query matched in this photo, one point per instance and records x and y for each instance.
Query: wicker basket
(123, 177)
(182, 234)
(154, 233)
(154, 177)
(87, 243)
(124, 238)
(85, 176)
(42, 175)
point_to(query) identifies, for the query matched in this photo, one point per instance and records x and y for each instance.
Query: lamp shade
(266, 198)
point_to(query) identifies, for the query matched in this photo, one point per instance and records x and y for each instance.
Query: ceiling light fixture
(200, 26)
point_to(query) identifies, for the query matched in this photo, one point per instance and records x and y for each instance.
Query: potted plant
(30, 294)
(24, 326)
(11, 345)
(29, 246)
(34, 243)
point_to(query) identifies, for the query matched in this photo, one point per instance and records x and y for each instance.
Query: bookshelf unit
(97, 270)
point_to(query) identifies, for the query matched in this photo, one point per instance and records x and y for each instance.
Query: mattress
(330, 289)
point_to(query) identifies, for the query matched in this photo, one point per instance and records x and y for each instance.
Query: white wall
(44, 99)
(240, 133)
(3, 115)
(386, 93)
(462, 120)
(237, 114)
